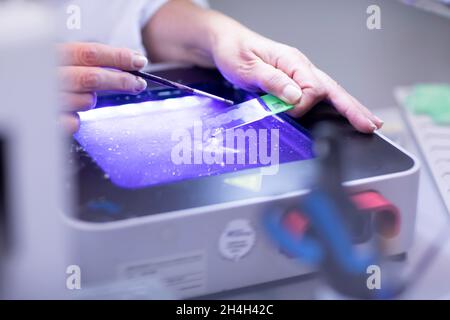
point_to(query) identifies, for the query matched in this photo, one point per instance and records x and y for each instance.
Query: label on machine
(184, 274)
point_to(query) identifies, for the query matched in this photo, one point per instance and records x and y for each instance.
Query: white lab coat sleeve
(154, 5)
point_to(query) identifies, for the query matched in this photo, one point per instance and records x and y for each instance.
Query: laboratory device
(157, 194)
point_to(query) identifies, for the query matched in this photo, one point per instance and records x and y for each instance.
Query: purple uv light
(134, 144)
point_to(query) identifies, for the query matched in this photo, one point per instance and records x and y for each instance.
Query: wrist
(214, 23)
(221, 29)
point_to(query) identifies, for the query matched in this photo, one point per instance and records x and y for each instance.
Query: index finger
(100, 55)
(358, 115)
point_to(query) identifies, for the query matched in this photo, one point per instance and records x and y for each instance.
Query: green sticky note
(432, 100)
(276, 105)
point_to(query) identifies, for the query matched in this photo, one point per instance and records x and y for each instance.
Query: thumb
(276, 82)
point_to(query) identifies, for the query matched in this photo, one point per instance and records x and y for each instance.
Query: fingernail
(141, 84)
(372, 125)
(380, 122)
(291, 94)
(139, 61)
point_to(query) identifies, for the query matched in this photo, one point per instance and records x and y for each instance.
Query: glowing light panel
(133, 144)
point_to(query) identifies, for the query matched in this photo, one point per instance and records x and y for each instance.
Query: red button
(295, 222)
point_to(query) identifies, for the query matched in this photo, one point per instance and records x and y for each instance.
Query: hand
(187, 33)
(253, 62)
(88, 68)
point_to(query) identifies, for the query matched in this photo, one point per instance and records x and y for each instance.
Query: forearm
(183, 32)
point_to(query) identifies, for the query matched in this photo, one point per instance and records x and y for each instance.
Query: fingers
(317, 86)
(313, 90)
(70, 122)
(313, 93)
(276, 82)
(88, 68)
(357, 114)
(84, 73)
(99, 55)
(74, 102)
(309, 99)
(294, 64)
(377, 121)
(91, 79)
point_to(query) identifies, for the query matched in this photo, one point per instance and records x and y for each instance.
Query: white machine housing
(187, 249)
